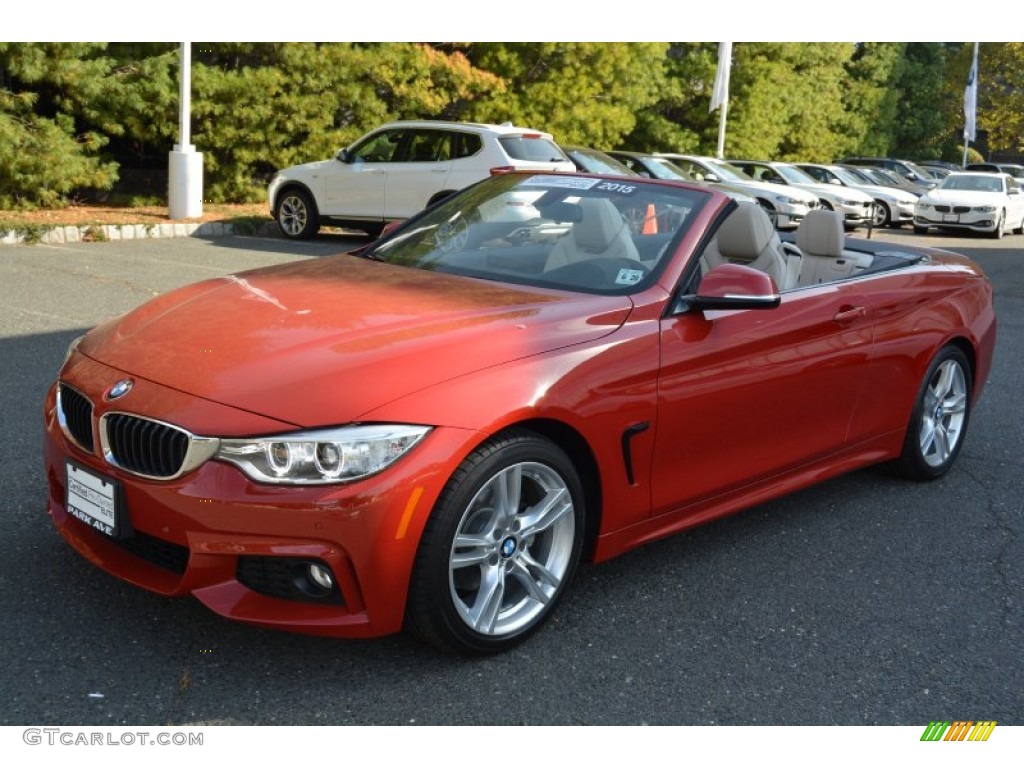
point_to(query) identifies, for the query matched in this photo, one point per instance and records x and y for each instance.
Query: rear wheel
(938, 423)
(500, 547)
(296, 215)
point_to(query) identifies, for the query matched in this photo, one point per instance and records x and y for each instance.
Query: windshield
(794, 175)
(570, 232)
(727, 172)
(973, 182)
(666, 169)
(922, 173)
(598, 162)
(850, 177)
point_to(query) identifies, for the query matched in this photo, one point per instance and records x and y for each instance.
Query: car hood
(888, 193)
(762, 188)
(835, 190)
(322, 342)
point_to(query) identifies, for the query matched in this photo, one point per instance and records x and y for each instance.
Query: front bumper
(234, 544)
(789, 216)
(903, 212)
(974, 221)
(855, 215)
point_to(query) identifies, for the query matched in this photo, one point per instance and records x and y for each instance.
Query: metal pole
(185, 165)
(185, 96)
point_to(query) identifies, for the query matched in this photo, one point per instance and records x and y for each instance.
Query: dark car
(589, 160)
(918, 177)
(1017, 171)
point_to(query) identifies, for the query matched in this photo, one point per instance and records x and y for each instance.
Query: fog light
(320, 576)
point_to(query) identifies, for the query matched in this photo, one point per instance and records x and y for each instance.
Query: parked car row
(403, 167)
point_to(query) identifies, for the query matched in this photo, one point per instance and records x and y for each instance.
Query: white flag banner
(720, 92)
(971, 101)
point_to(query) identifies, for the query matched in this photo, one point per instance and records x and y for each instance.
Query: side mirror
(734, 286)
(344, 156)
(711, 177)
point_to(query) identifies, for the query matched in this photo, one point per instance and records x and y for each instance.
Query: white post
(185, 165)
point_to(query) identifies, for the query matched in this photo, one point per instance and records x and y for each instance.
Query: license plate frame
(95, 500)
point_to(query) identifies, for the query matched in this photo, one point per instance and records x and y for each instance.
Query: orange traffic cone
(650, 221)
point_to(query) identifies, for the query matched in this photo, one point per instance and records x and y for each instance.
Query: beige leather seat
(748, 237)
(601, 233)
(820, 238)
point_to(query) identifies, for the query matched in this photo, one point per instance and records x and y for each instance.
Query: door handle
(847, 315)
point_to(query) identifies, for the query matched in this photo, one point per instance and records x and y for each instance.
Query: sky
(474, 20)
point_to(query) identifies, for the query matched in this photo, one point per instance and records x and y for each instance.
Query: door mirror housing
(734, 286)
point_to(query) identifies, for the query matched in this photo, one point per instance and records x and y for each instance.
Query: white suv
(401, 168)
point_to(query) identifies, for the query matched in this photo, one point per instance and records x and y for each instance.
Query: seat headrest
(746, 233)
(821, 233)
(599, 226)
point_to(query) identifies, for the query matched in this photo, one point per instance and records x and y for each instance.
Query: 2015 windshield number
(612, 186)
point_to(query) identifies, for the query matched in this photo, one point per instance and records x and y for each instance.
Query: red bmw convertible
(431, 432)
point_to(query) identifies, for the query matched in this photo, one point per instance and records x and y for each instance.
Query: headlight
(790, 200)
(853, 202)
(923, 206)
(985, 208)
(72, 347)
(324, 456)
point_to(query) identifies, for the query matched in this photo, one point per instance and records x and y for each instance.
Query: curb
(91, 233)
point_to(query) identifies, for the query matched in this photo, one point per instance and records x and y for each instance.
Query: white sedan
(984, 202)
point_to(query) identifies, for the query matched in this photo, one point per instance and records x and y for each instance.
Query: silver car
(893, 207)
(786, 205)
(855, 206)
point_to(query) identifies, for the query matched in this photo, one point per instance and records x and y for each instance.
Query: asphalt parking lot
(866, 600)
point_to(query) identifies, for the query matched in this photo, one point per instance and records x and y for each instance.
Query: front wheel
(296, 215)
(881, 215)
(997, 233)
(938, 423)
(499, 548)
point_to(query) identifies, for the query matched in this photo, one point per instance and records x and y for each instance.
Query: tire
(500, 547)
(770, 210)
(296, 215)
(439, 196)
(882, 216)
(997, 233)
(938, 422)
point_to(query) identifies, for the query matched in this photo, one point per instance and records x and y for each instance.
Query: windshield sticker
(617, 186)
(566, 182)
(629, 276)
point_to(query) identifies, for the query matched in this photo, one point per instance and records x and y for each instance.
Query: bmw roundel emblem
(508, 547)
(122, 388)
